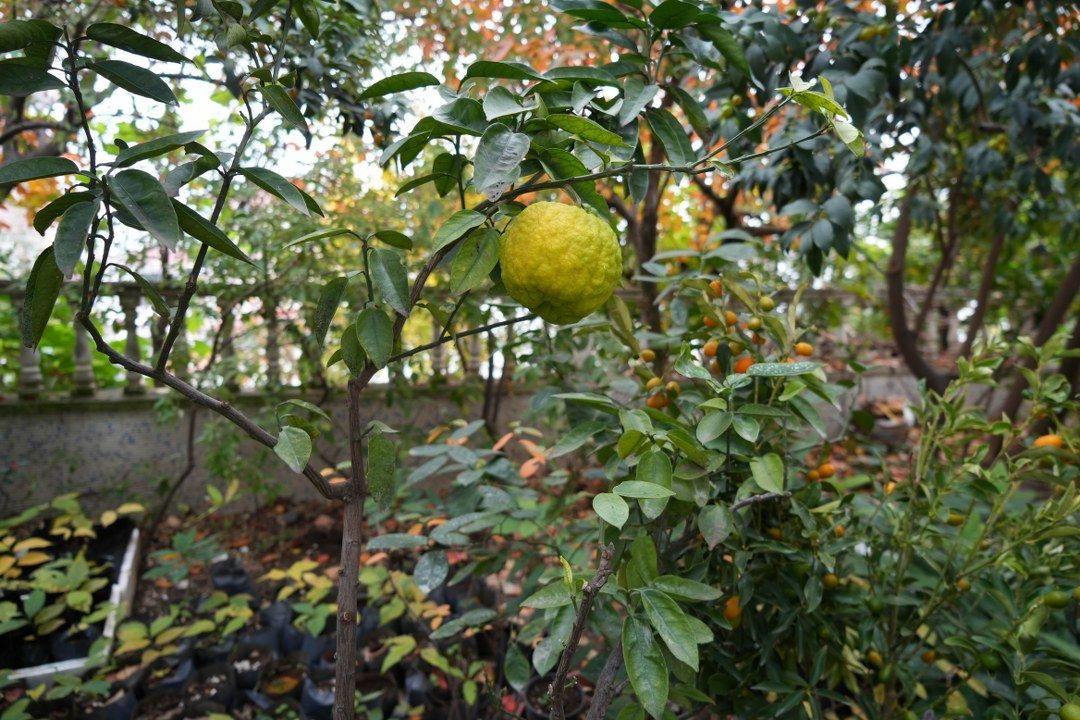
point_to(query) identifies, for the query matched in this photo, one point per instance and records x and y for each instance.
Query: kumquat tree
(593, 354)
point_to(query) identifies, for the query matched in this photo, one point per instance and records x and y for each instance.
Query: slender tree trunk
(905, 339)
(982, 299)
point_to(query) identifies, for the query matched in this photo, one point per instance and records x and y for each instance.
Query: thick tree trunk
(906, 341)
(982, 299)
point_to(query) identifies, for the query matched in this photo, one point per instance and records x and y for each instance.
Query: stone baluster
(438, 356)
(273, 337)
(84, 384)
(31, 381)
(129, 304)
(180, 358)
(474, 353)
(226, 351)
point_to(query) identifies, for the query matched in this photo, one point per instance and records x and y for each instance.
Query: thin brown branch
(606, 687)
(465, 333)
(982, 297)
(588, 595)
(755, 499)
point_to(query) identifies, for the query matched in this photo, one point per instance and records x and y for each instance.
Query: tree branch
(982, 298)
(588, 595)
(606, 689)
(450, 338)
(755, 499)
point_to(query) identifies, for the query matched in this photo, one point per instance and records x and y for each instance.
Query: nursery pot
(538, 702)
(284, 709)
(68, 646)
(230, 577)
(377, 691)
(210, 650)
(282, 678)
(119, 707)
(167, 674)
(248, 659)
(160, 705)
(213, 684)
(317, 697)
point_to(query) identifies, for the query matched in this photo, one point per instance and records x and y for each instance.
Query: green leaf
(376, 334)
(20, 34)
(611, 508)
(455, 226)
(18, 171)
(712, 426)
(636, 97)
(152, 148)
(294, 447)
(44, 217)
(768, 471)
(351, 352)
(390, 277)
(685, 589)
(319, 235)
(135, 80)
(645, 666)
(502, 70)
(151, 292)
(397, 541)
(329, 299)
(395, 239)
(18, 79)
(205, 231)
(500, 102)
(642, 490)
(746, 427)
(284, 105)
(550, 596)
(277, 186)
(42, 289)
(642, 568)
(586, 129)
(71, 234)
(672, 14)
(305, 405)
(711, 29)
(715, 523)
(398, 647)
(654, 467)
(431, 570)
(563, 165)
(399, 83)
(516, 667)
(381, 468)
(497, 164)
(308, 12)
(674, 139)
(146, 200)
(781, 369)
(669, 621)
(476, 257)
(123, 37)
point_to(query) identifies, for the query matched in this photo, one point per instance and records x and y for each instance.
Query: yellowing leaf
(108, 518)
(31, 543)
(33, 558)
(130, 508)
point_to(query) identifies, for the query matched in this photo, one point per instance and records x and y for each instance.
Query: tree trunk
(982, 299)
(905, 339)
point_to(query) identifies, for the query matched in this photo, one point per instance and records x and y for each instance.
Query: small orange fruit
(710, 348)
(757, 339)
(956, 519)
(767, 303)
(813, 476)
(710, 322)
(804, 349)
(826, 470)
(654, 382)
(775, 533)
(839, 531)
(673, 387)
(732, 611)
(1053, 441)
(743, 364)
(829, 581)
(647, 355)
(714, 365)
(889, 487)
(717, 288)
(929, 656)
(730, 318)
(875, 657)
(963, 584)
(754, 323)
(735, 348)
(657, 402)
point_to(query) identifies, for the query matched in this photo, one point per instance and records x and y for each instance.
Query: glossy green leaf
(39, 298)
(381, 468)
(18, 79)
(552, 595)
(143, 196)
(147, 288)
(376, 334)
(153, 148)
(781, 369)
(681, 588)
(431, 570)
(329, 299)
(768, 472)
(123, 37)
(390, 278)
(636, 97)
(672, 14)
(294, 447)
(500, 102)
(71, 234)
(399, 83)
(395, 239)
(354, 356)
(585, 129)
(20, 34)
(397, 541)
(497, 164)
(503, 70)
(455, 226)
(205, 231)
(44, 217)
(284, 105)
(135, 80)
(475, 259)
(642, 490)
(18, 171)
(672, 135)
(277, 186)
(611, 508)
(645, 666)
(516, 667)
(715, 523)
(670, 623)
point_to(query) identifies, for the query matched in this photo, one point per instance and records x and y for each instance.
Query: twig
(588, 595)
(464, 333)
(764, 497)
(606, 688)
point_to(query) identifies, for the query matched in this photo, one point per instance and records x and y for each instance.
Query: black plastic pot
(167, 674)
(230, 577)
(211, 650)
(68, 646)
(276, 615)
(248, 659)
(317, 698)
(324, 663)
(214, 684)
(285, 709)
(313, 647)
(537, 705)
(267, 637)
(380, 691)
(33, 653)
(417, 686)
(118, 707)
(200, 710)
(160, 705)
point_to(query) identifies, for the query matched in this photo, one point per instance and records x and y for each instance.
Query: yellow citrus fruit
(647, 355)
(1053, 441)
(735, 348)
(963, 584)
(767, 303)
(710, 348)
(732, 611)
(657, 402)
(653, 383)
(826, 470)
(560, 261)
(875, 657)
(717, 288)
(804, 349)
(673, 387)
(830, 581)
(1069, 711)
(743, 364)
